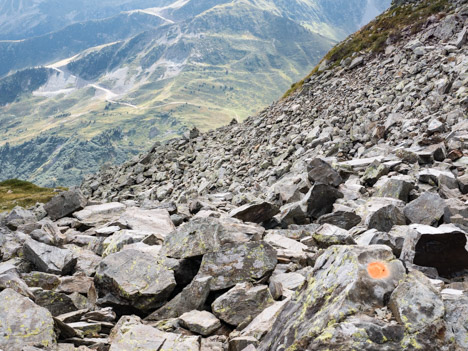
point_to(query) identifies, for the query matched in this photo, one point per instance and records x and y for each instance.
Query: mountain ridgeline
(152, 72)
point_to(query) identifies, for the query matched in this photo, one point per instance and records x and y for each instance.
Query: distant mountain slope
(72, 40)
(206, 63)
(22, 19)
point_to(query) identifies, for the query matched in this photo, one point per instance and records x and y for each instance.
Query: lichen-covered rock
(395, 188)
(57, 303)
(328, 235)
(456, 319)
(200, 236)
(415, 303)
(136, 277)
(242, 302)
(49, 259)
(360, 332)
(346, 279)
(23, 323)
(239, 263)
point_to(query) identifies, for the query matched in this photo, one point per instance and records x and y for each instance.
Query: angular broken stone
(320, 200)
(456, 318)
(382, 213)
(238, 263)
(23, 323)
(79, 284)
(49, 259)
(290, 281)
(42, 280)
(427, 209)
(200, 322)
(200, 236)
(136, 277)
(65, 204)
(415, 303)
(57, 303)
(328, 235)
(243, 302)
(19, 216)
(321, 172)
(442, 248)
(100, 214)
(360, 332)
(346, 279)
(157, 222)
(342, 218)
(291, 188)
(192, 297)
(256, 213)
(374, 172)
(13, 281)
(395, 188)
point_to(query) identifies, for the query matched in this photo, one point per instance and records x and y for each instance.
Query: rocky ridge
(336, 219)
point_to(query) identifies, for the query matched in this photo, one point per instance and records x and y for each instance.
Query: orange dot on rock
(378, 270)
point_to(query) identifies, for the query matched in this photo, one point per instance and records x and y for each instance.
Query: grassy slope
(372, 37)
(20, 193)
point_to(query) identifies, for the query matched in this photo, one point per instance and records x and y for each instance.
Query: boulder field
(336, 219)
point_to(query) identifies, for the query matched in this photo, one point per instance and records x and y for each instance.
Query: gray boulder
(255, 213)
(151, 222)
(49, 259)
(321, 172)
(395, 188)
(192, 297)
(443, 248)
(320, 200)
(204, 235)
(65, 204)
(346, 279)
(345, 219)
(382, 213)
(427, 209)
(242, 303)
(23, 323)
(360, 332)
(95, 215)
(57, 303)
(200, 322)
(136, 278)
(328, 235)
(238, 263)
(456, 319)
(416, 304)
(19, 216)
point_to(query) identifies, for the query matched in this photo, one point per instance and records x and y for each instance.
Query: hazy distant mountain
(150, 73)
(21, 19)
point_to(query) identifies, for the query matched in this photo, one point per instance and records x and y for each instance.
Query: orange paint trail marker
(378, 270)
